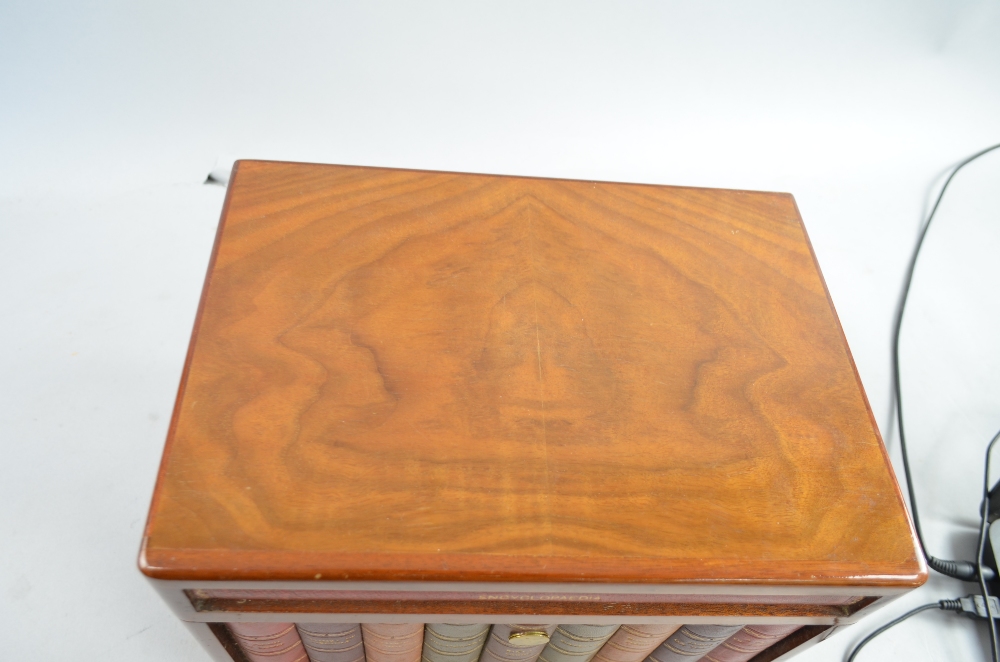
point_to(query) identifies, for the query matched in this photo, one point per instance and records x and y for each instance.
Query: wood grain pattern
(418, 375)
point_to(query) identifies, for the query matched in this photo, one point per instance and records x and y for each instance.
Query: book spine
(692, 642)
(749, 641)
(454, 643)
(499, 649)
(332, 642)
(269, 642)
(632, 643)
(392, 642)
(576, 643)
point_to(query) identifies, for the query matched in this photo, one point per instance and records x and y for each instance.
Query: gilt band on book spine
(692, 642)
(454, 643)
(749, 641)
(269, 642)
(576, 643)
(332, 642)
(632, 643)
(393, 642)
(499, 649)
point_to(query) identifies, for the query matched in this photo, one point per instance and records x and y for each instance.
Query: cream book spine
(332, 642)
(392, 642)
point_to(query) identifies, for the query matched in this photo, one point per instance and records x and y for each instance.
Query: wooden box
(430, 397)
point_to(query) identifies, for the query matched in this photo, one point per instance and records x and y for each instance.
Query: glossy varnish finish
(401, 375)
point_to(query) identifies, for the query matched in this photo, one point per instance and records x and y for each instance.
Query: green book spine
(576, 643)
(332, 642)
(500, 647)
(454, 643)
(692, 642)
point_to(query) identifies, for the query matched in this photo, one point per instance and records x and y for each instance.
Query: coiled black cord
(984, 512)
(965, 570)
(968, 605)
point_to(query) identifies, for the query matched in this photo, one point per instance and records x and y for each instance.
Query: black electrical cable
(985, 508)
(956, 605)
(912, 612)
(958, 569)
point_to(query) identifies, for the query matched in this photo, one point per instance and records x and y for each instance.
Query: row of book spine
(409, 642)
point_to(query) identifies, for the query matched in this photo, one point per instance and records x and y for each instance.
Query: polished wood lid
(410, 375)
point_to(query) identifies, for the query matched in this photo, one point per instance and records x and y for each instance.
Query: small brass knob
(527, 638)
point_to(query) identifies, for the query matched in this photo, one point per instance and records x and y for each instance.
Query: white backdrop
(112, 114)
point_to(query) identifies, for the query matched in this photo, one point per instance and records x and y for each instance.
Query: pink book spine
(499, 649)
(269, 642)
(632, 643)
(749, 641)
(393, 642)
(332, 642)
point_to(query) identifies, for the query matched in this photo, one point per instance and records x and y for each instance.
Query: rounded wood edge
(864, 395)
(271, 162)
(236, 565)
(189, 355)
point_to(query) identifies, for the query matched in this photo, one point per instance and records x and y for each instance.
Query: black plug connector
(965, 570)
(972, 606)
(993, 503)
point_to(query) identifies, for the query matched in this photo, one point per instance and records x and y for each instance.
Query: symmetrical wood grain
(418, 375)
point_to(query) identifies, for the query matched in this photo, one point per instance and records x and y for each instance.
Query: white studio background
(112, 114)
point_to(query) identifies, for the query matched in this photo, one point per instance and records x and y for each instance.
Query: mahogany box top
(410, 375)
